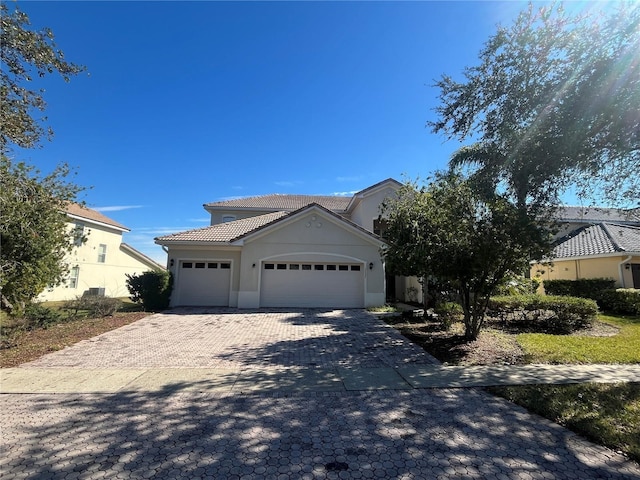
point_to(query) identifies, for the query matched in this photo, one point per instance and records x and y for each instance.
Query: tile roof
(595, 214)
(598, 239)
(83, 212)
(282, 202)
(223, 232)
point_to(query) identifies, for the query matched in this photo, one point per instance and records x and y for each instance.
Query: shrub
(39, 316)
(553, 314)
(518, 285)
(448, 313)
(584, 288)
(625, 301)
(95, 306)
(152, 289)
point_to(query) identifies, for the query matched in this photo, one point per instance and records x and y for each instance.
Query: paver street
(183, 431)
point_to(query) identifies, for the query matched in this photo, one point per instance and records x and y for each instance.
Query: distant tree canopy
(467, 240)
(33, 235)
(554, 103)
(25, 54)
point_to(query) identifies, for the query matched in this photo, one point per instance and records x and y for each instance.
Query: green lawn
(621, 348)
(608, 414)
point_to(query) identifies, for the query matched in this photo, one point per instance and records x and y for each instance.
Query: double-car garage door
(298, 284)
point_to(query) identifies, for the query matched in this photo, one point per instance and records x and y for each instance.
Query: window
(282, 266)
(226, 266)
(199, 264)
(102, 253)
(78, 234)
(318, 267)
(73, 277)
(355, 268)
(187, 265)
(228, 218)
(343, 268)
(294, 266)
(331, 267)
(306, 267)
(212, 265)
(268, 266)
(380, 227)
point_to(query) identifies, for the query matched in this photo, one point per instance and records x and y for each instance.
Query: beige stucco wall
(207, 253)
(317, 237)
(110, 275)
(602, 267)
(368, 209)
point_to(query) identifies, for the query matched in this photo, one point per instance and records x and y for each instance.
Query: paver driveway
(391, 434)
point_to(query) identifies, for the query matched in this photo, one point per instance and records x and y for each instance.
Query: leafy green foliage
(33, 231)
(39, 316)
(555, 314)
(25, 55)
(465, 239)
(554, 101)
(625, 301)
(517, 285)
(584, 287)
(448, 313)
(152, 289)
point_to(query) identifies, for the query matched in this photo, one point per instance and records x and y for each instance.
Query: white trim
(583, 257)
(95, 222)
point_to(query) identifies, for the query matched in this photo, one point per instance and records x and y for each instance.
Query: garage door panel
(204, 283)
(314, 287)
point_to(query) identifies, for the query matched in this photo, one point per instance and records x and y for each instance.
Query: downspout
(628, 259)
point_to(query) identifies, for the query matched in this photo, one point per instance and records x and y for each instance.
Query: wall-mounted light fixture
(254, 265)
(171, 262)
(370, 265)
(627, 266)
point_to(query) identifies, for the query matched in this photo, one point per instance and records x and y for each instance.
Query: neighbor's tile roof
(594, 214)
(284, 202)
(598, 239)
(223, 232)
(80, 211)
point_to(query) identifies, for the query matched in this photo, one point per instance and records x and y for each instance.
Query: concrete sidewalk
(299, 379)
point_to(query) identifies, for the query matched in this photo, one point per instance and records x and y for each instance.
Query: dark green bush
(152, 289)
(545, 313)
(625, 301)
(39, 316)
(95, 306)
(584, 288)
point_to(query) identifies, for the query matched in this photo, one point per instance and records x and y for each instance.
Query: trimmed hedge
(625, 301)
(545, 313)
(152, 289)
(584, 288)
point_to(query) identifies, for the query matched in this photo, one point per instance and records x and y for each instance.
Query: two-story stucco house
(595, 243)
(100, 260)
(283, 251)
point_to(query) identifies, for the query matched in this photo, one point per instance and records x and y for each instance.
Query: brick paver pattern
(388, 434)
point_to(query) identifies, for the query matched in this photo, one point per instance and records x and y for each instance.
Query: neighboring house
(595, 243)
(284, 251)
(100, 260)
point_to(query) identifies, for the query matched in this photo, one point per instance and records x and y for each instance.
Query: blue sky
(192, 102)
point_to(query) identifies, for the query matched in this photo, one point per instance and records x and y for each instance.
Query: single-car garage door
(329, 285)
(204, 283)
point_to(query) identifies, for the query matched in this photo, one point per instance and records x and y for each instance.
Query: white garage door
(204, 283)
(329, 285)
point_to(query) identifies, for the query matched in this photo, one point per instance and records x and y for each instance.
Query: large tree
(553, 104)
(33, 234)
(469, 240)
(26, 54)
